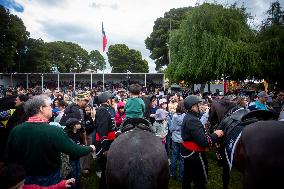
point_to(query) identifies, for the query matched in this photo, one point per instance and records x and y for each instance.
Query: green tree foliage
(159, 38)
(97, 61)
(212, 41)
(68, 57)
(122, 60)
(13, 35)
(36, 57)
(271, 45)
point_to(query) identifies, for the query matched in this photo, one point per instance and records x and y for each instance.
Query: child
(135, 106)
(160, 126)
(120, 114)
(73, 130)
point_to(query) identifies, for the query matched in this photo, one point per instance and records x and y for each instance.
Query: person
(135, 106)
(260, 103)
(194, 145)
(153, 107)
(75, 110)
(61, 108)
(281, 114)
(72, 129)
(18, 116)
(278, 103)
(13, 176)
(105, 133)
(172, 104)
(89, 126)
(175, 129)
(120, 114)
(37, 146)
(160, 126)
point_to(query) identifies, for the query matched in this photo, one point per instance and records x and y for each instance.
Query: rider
(195, 143)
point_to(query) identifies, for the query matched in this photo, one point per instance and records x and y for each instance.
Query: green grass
(91, 180)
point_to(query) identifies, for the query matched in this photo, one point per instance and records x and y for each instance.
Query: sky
(127, 22)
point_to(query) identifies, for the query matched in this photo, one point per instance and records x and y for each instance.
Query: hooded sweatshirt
(175, 127)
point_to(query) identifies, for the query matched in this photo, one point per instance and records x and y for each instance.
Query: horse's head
(218, 110)
(213, 116)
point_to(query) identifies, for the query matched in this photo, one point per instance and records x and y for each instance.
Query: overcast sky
(125, 21)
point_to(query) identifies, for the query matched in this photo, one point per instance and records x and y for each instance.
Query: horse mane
(227, 103)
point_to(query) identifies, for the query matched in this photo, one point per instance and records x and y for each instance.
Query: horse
(137, 159)
(252, 143)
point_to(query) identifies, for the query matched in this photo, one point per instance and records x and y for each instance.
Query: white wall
(213, 87)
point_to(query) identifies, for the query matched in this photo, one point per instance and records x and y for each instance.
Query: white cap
(162, 100)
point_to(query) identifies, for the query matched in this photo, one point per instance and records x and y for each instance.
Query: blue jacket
(175, 127)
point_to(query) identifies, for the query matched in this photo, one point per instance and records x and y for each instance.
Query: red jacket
(119, 118)
(60, 185)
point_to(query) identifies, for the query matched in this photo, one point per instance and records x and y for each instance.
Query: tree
(68, 57)
(159, 38)
(13, 35)
(211, 42)
(97, 61)
(123, 60)
(36, 57)
(271, 45)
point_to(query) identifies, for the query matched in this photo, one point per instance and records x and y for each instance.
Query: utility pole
(169, 49)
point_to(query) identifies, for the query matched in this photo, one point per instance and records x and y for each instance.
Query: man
(260, 103)
(75, 110)
(105, 133)
(37, 146)
(195, 143)
(278, 103)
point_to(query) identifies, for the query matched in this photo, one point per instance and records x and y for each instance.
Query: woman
(175, 129)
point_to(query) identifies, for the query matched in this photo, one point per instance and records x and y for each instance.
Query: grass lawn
(90, 181)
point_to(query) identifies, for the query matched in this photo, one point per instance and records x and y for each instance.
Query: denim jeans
(177, 159)
(75, 172)
(49, 180)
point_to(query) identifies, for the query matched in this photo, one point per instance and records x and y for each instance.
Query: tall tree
(158, 41)
(211, 42)
(13, 35)
(36, 57)
(271, 45)
(97, 61)
(123, 60)
(68, 57)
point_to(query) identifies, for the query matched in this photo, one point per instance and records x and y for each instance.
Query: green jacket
(134, 108)
(37, 146)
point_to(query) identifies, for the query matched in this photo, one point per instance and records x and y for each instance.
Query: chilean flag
(104, 37)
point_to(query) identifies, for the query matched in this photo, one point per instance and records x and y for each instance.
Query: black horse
(137, 159)
(252, 143)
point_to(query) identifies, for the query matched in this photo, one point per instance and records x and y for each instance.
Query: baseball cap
(262, 94)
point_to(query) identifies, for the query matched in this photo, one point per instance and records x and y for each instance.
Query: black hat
(191, 100)
(72, 121)
(103, 97)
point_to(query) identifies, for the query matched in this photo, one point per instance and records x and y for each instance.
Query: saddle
(243, 117)
(132, 123)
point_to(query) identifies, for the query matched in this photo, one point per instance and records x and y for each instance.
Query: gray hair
(32, 106)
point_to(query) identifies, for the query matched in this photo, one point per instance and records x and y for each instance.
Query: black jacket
(105, 129)
(192, 130)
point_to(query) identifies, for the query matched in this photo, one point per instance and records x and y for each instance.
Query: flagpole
(103, 51)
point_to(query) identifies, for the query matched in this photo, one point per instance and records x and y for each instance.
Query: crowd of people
(48, 138)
